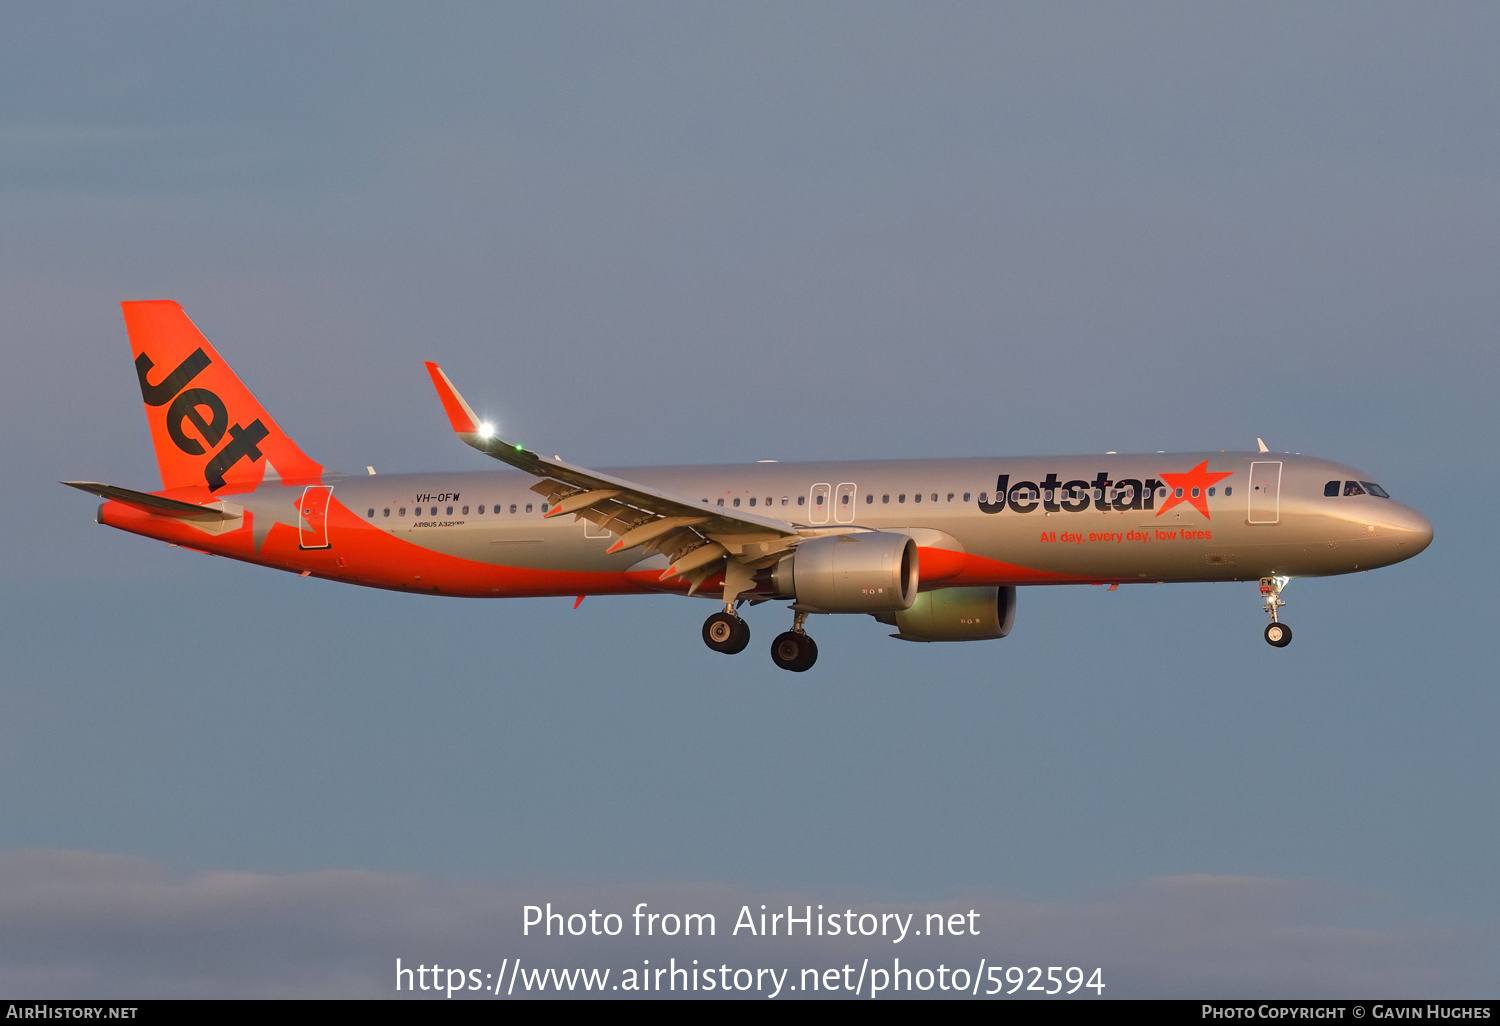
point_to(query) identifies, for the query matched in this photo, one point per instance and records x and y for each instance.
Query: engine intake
(860, 572)
(956, 614)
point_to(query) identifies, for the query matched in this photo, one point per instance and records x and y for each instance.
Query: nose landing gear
(1277, 633)
(794, 650)
(725, 632)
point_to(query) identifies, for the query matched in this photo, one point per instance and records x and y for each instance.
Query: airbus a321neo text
(934, 548)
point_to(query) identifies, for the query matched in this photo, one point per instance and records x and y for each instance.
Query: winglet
(459, 414)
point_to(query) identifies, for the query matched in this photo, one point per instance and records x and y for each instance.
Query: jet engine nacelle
(860, 572)
(956, 614)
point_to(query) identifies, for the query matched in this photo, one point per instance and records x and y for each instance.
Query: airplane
(934, 548)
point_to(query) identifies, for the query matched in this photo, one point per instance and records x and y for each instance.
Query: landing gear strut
(794, 650)
(1277, 633)
(725, 632)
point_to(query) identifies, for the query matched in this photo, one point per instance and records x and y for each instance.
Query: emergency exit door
(818, 504)
(843, 503)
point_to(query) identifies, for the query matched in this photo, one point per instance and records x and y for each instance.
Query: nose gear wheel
(1277, 633)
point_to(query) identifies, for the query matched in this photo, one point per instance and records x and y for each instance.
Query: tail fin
(206, 426)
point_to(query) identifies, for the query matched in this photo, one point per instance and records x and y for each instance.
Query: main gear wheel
(727, 633)
(795, 651)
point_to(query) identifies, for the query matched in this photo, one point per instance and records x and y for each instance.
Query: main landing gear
(792, 650)
(725, 632)
(1277, 633)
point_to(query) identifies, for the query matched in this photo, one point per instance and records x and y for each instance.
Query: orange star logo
(1193, 486)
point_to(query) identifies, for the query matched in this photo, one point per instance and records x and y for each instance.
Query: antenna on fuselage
(1262, 443)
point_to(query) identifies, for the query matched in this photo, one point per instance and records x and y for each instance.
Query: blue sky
(671, 233)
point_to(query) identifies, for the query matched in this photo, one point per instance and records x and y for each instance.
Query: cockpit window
(1375, 490)
(1331, 489)
(1353, 488)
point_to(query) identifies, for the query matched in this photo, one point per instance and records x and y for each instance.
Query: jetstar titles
(1058, 496)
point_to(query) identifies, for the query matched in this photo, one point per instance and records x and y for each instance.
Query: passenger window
(869, 498)
(1178, 493)
(1375, 490)
(934, 496)
(1353, 488)
(1161, 493)
(544, 508)
(917, 497)
(736, 503)
(1331, 489)
(1195, 493)
(950, 496)
(386, 512)
(402, 511)
(528, 507)
(966, 496)
(1211, 491)
(372, 513)
(901, 497)
(450, 512)
(465, 511)
(844, 500)
(768, 500)
(481, 511)
(513, 507)
(1228, 491)
(434, 512)
(752, 500)
(721, 502)
(801, 499)
(885, 498)
(783, 500)
(984, 496)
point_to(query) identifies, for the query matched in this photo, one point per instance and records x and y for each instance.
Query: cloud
(81, 924)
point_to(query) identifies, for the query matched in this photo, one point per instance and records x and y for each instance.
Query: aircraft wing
(694, 536)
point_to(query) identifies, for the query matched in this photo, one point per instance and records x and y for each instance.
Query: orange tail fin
(207, 428)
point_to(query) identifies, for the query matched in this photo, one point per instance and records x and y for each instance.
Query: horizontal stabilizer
(151, 503)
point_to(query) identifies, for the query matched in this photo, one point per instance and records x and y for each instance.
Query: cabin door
(314, 510)
(1265, 493)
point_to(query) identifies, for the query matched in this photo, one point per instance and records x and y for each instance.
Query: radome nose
(1413, 529)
